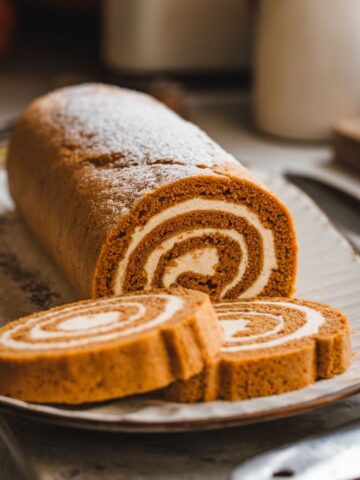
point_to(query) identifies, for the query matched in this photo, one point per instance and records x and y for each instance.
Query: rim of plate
(54, 415)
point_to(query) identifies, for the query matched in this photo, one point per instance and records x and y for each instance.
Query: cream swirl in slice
(81, 325)
(202, 260)
(271, 329)
(271, 346)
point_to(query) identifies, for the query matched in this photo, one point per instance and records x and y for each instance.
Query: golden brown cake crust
(257, 366)
(97, 350)
(88, 165)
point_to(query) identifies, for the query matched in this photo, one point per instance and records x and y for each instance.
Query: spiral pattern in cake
(136, 198)
(265, 324)
(226, 251)
(82, 324)
(271, 346)
(97, 350)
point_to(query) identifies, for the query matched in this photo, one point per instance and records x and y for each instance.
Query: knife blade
(330, 456)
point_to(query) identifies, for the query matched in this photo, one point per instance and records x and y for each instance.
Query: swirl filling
(271, 346)
(216, 246)
(266, 325)
(83, 325)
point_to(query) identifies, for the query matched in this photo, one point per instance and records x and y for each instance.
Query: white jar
(150, 36)
(307, 66)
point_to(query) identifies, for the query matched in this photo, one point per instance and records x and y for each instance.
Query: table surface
(58, 453)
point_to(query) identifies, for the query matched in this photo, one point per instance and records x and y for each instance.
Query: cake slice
(271, 346)
(113, 347)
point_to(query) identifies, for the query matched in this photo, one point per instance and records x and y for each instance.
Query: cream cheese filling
(203, 267)
(203, 262)
(314, 320)
(85, 328)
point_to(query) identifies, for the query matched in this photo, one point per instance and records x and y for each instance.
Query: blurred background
(298, 58)
(276, 82)
(142, 44)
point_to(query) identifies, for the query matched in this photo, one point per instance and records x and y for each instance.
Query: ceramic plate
(329, 271)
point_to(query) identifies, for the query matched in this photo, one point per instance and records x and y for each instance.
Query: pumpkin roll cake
(110, 347)
(127, 196)
(271, 346)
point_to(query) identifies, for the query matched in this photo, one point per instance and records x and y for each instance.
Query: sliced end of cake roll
(113, 347)
(271, 346)
(126, 196)
(217, 232)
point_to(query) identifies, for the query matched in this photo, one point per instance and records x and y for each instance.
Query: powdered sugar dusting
(131, 128)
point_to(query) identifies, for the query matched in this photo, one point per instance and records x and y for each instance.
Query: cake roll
(271, 346)
(110, 347)
(127, 196)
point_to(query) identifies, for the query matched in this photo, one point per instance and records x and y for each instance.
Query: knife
(330, 456)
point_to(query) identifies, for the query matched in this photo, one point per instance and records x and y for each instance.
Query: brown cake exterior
(111, 347)
(271, 346)
(126, 196)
